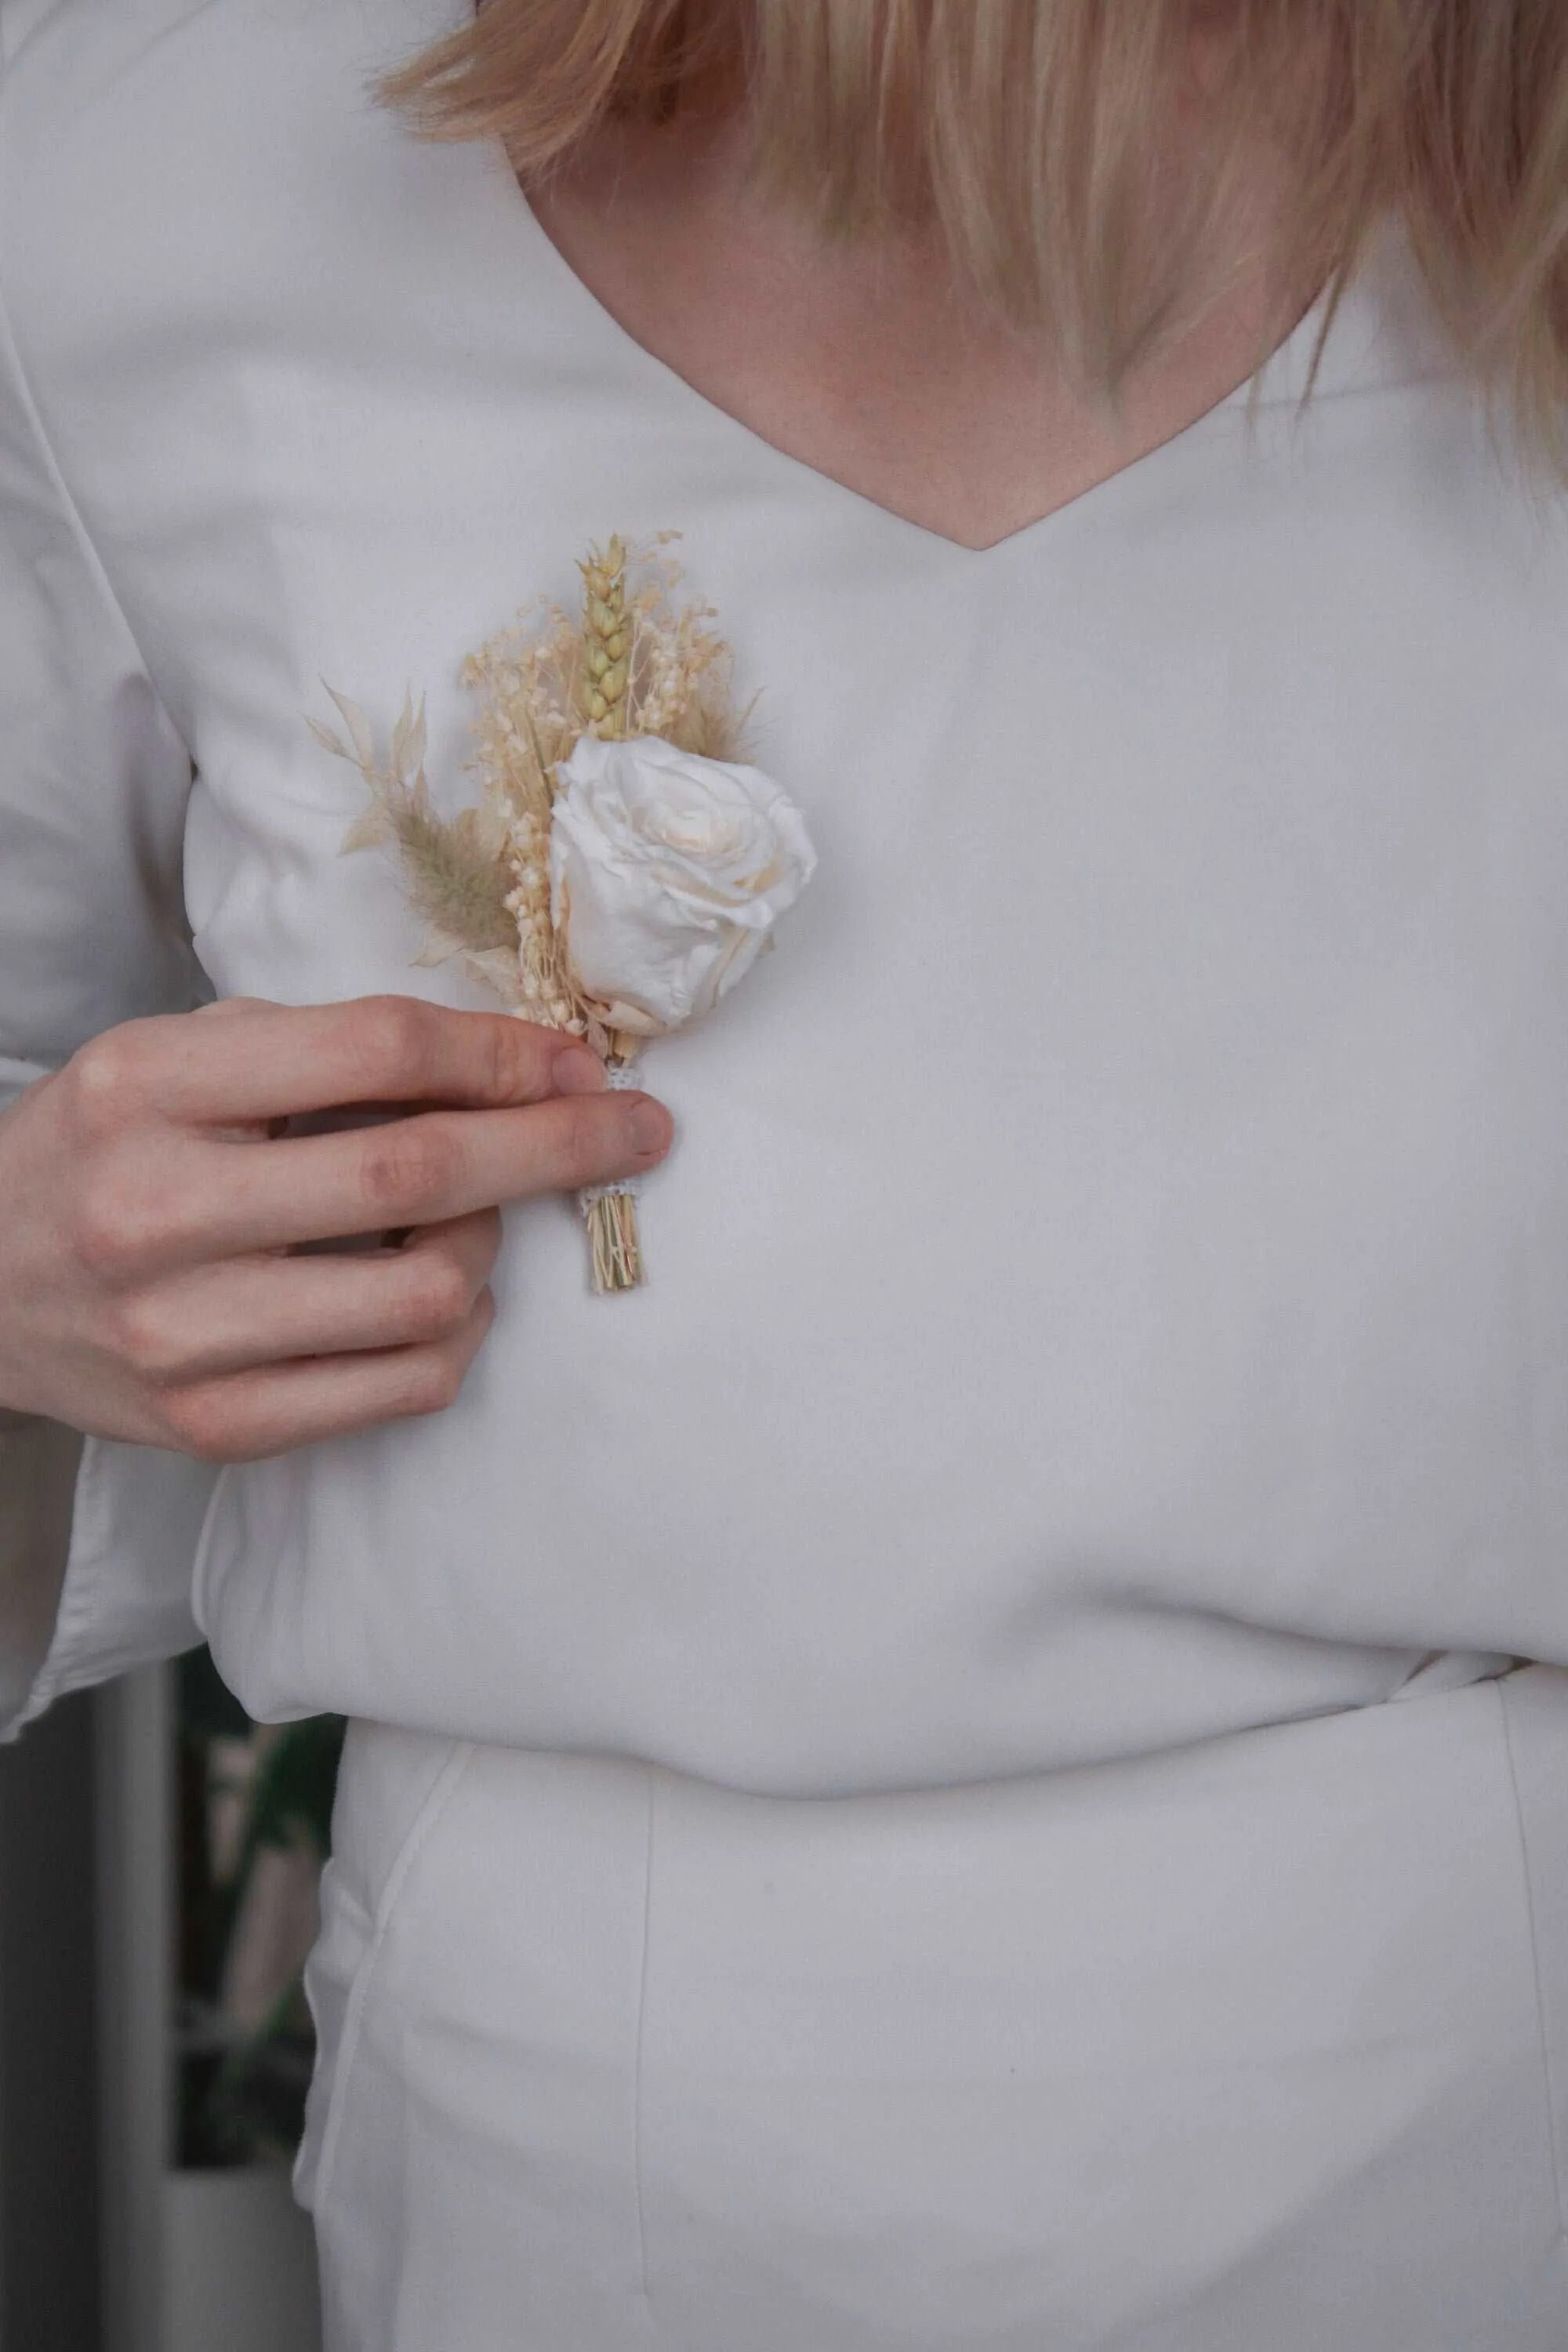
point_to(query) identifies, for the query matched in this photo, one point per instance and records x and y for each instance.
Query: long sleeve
(93, 783)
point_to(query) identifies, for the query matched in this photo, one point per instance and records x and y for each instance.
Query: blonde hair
(1027, 129)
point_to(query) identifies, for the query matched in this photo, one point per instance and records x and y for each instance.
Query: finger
(249, 1415)
(213, 1319)
(412, 1171)
(238, 1130)
(372, 1049)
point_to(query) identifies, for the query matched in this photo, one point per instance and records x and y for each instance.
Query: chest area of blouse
(1234, 796)
(1163, 791)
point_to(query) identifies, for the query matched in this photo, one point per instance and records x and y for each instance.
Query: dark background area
(171, 1879)
(50, 2220)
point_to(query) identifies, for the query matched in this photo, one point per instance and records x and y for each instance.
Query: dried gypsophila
(634, 664)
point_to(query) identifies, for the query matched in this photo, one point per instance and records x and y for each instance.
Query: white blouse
(1110, 1283)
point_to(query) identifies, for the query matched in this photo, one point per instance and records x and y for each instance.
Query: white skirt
(1260, 2045)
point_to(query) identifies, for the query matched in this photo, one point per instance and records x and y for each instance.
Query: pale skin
(877, 366)
(155, 1213)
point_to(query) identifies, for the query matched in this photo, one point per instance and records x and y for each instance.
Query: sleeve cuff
(124, 1599)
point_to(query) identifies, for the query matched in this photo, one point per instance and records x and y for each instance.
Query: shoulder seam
(8, 14)
(10, 353)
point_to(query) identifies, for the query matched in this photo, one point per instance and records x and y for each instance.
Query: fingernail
(650, 1124)
(578, 1071)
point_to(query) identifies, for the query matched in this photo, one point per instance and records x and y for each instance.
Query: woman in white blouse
(984, 1760)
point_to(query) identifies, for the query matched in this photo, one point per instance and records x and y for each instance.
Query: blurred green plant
(256, 1805)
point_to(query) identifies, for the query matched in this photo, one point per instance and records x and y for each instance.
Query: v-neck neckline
(1281, 378)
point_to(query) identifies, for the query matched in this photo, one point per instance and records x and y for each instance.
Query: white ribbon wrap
(622, 1076)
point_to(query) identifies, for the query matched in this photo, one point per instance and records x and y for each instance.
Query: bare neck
(869, 364)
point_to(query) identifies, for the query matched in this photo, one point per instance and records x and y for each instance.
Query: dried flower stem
(612, 1233)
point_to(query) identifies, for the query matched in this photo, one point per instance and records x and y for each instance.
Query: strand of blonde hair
(1034, 131)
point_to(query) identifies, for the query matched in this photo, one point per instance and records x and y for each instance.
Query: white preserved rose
(667, 874)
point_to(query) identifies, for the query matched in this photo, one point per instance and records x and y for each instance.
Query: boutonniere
(624, 867)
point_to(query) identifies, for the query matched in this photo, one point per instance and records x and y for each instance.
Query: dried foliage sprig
(456, 884)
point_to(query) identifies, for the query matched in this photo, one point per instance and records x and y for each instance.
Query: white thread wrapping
(622, 1076)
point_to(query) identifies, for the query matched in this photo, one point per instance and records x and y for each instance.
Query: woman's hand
(154, 1214)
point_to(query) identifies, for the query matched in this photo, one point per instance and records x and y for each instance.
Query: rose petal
(651, 925)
